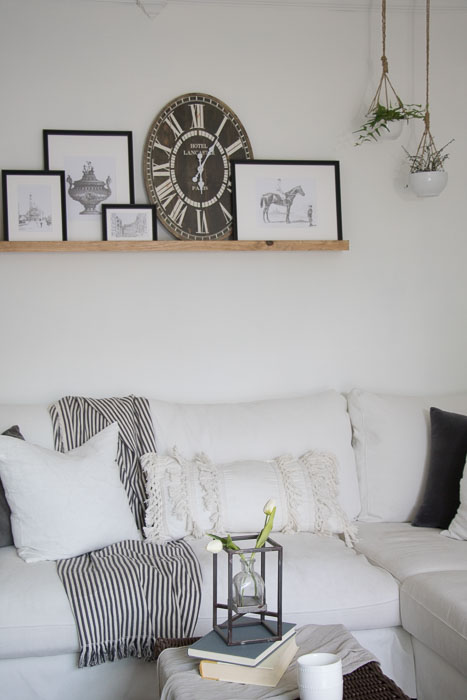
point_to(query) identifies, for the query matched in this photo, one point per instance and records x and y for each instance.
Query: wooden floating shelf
(135, 246)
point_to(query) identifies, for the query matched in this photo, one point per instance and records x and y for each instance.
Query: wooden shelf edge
(134, 246)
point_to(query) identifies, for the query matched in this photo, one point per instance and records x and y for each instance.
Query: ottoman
(178, 676)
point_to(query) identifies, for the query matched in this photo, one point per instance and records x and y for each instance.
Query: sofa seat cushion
(434, 611)
(35, 616)
(324, 582)
(405, 550)
(263, 430)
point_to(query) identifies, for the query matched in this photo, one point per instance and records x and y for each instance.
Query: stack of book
(260, 663)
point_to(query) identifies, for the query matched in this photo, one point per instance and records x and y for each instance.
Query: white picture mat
(16, 185)
(109, 154)
(318, 183)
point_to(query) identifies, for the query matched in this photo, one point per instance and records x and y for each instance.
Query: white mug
(320, 677)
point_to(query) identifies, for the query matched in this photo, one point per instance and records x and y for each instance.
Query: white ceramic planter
(392, 132)
(428, 184)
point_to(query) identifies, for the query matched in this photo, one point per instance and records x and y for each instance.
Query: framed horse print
(286, 200)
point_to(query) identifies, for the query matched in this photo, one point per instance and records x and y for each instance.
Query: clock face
(187, 169)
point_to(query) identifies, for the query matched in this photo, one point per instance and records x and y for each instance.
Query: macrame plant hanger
(386, 112)
(385, 86)
(427, 151)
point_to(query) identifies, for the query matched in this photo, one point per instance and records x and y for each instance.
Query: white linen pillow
(458, 526)
(259, 430)
(63, 505)
(192, 497)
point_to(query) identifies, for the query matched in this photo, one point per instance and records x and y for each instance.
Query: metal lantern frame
(234, 619)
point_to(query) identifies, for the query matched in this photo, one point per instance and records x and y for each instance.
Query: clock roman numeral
(165, 192)
(160, 169)
(227, 214)
(197, 116)
(201, 222)
(174, 125)
(178, 212)
(162, 147)
(235, 146)
(222, 124)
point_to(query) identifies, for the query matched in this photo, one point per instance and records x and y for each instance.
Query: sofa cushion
(434, 611)
(458, 527)
(63, 505)
(324, 582)
(391, 437)
(448, 450)
(262, 430)
(406, 551)
(35, 615)
(6, 536)
(192, 497)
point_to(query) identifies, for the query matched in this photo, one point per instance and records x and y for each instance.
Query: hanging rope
(427, 40)
(385, 86)
(428, 157)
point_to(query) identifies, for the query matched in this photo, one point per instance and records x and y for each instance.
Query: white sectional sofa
(399, 589)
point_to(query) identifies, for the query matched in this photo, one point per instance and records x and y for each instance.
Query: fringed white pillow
(192, 497)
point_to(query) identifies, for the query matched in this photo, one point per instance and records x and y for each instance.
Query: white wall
(389, 315)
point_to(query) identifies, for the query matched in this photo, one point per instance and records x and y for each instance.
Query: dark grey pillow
(447, 460)
(6, 537)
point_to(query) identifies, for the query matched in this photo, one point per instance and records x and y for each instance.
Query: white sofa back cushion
(33, 421)
(262, 430)
(391, 438)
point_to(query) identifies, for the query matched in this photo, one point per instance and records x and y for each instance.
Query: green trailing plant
(380, 117)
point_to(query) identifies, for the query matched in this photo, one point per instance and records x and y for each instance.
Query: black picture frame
(286, 200)
(34, 206)
(129, 222)
(98, 168)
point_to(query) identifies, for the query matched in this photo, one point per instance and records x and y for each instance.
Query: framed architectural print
(129, 222)
(34, 205)
(286, 200)
(98, 168)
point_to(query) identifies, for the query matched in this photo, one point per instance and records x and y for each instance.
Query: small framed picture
(286, 200)
(98, 168)
(129, 222)
(34, 205)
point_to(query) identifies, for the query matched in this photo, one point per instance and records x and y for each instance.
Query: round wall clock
(187, 169)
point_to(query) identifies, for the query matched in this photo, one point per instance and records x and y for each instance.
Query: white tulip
(269, 507)
(214, 546)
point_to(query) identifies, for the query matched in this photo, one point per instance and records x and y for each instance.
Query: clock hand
(199, 172)
(201, 163)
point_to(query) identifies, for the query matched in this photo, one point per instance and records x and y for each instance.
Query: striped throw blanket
(131, 598)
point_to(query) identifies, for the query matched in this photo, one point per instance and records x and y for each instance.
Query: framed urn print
(129, 222)
(98, 169)
(286, 200)
(34, 205)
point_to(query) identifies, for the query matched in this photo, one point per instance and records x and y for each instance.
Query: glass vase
(248, 589)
